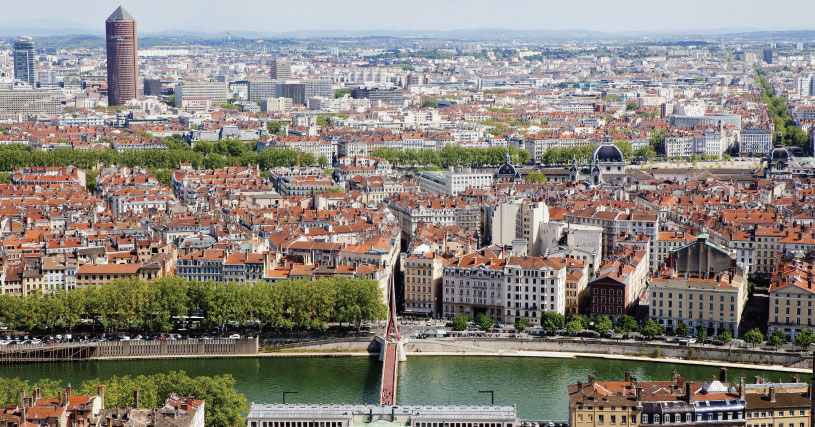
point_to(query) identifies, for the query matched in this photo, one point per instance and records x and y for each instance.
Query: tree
(646, 152)
(754, 336)
(5, 178)
(725, 336)
(574, 326)
(520, 324)
(701, 334)
(651, 329)
(625, 148)
(682, 329)
(631, 106)
(339, 93)
(535, 176)
(274, 127)
(551, 321)
(804, 338)
(777, 338)
(625, 324)
(484, 322)
(602, 324)
(90, 180)
(322, 160)
(460, 322)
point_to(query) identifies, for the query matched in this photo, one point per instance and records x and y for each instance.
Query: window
(656, 419)
(613, 419)
(644, 419)
(600, 419)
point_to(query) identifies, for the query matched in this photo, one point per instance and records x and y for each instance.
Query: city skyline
(448, 15)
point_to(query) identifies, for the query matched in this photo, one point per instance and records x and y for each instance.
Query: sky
(296, 15)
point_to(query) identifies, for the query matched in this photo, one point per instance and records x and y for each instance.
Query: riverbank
(551, 355)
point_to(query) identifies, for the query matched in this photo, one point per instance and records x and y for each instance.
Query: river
(536, 385)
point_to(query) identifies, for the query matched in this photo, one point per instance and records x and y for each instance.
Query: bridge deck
(389, 374)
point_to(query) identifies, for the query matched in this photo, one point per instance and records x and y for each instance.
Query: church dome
(779, 153)
(607, 153)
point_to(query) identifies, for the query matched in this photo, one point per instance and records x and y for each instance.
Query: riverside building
(320, 415)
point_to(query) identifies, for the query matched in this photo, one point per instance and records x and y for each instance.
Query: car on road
(235, 337)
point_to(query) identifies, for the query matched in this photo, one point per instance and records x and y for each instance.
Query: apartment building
(620, 283)
(412, 209)
(452, 182)
(703, 286)
(577, 281)
(475, 284)
(423, 283)
(680, 402)
(534, 285)
(100, 274)
(616, 223)
(768, 247)
(792, 294)
(755, 140)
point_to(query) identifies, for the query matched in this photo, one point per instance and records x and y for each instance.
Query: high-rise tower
(24, 60)
(281, 70)
(120, 35)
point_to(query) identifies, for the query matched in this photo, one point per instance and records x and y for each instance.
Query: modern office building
(120, 34)
(391, 97)
(216, 92)
(24, 60)
(152, 87)
(281, 70)
(768, 54)
(260, 90)
(21, 104)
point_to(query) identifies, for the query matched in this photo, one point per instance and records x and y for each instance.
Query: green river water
(536, 385)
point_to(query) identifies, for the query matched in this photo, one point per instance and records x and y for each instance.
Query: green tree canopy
(625, 324)
(777, 338)
(651, 329)
(602, 324)
(754, 336)
(804, 338)
(460, 322)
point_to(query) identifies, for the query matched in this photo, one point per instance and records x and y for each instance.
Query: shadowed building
(120, 34)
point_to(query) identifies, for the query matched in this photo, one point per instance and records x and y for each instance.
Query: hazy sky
(288, 15)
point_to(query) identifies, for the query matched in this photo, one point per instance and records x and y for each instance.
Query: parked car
(235, 337)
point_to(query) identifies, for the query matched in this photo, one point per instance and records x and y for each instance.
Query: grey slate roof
(120, 14)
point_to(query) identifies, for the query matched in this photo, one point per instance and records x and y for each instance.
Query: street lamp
(492, 395)
(285, 393)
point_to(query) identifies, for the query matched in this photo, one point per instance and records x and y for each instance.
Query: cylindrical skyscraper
(24, 60)
(123, 70)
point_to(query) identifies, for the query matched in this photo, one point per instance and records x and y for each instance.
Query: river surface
(536, 385)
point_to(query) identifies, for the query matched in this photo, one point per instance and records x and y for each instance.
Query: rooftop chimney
(674, 375)
(639, 393)
(22, 397)
(742, 388)
(628, 376)
(689, 391)
(758, 379)
(723, 374)
(68, 389)
(579, 385)
(136, 398)
(772, 394)
(591, 379)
